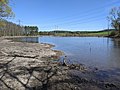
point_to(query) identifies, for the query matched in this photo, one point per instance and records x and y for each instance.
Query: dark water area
(98, 52)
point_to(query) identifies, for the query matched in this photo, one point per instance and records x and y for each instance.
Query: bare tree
(115, 18)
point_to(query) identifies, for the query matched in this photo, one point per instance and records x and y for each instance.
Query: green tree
(115, 18)
(11, 29)
(31, 30)
(5, 10)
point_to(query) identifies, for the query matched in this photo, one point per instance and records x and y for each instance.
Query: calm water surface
(92, 51)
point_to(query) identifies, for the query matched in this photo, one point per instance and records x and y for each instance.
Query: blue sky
(74, 15)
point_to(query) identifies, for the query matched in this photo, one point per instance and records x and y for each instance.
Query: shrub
(113, 33)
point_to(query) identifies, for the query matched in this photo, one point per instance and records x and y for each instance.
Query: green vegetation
(31, 30)
(12, 29)
(5, 11)
(78, 33)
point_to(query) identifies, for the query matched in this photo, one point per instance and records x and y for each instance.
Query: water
(92, 51)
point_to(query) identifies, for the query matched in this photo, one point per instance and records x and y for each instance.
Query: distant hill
(104, 32)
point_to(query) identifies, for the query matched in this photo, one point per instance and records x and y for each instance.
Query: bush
(113, 33)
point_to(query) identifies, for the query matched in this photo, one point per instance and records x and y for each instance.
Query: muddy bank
(30, 66)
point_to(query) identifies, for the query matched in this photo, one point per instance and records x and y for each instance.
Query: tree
(11, 29)
(115, 18)
(31, 30)
(5, 10)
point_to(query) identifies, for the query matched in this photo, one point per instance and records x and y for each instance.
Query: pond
(98, 52)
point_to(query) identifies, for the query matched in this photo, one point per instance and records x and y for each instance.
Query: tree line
(12, 29)
(31, 30)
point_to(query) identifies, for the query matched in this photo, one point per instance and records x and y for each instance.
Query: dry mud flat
(30, 66)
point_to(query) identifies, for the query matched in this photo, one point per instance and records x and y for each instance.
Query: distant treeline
(12, 29)
(31, 30)
(77, 33)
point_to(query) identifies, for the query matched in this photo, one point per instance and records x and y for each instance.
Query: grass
(78, 33)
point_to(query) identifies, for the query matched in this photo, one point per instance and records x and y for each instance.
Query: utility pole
(19, 22)
(108, 24)
(56, 27)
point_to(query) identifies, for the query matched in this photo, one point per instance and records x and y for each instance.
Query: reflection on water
(27, 39)
(116, 43)
(92, 51)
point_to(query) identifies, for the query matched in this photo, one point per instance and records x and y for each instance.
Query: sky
(71, 15)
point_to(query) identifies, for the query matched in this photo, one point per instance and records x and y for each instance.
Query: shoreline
(17, 55)
(31, 66)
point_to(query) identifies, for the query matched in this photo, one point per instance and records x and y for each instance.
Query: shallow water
(92, 51)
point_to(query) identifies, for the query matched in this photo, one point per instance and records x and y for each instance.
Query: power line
(80, 21)
(93, 10)
(83, 19)
(19, 21)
